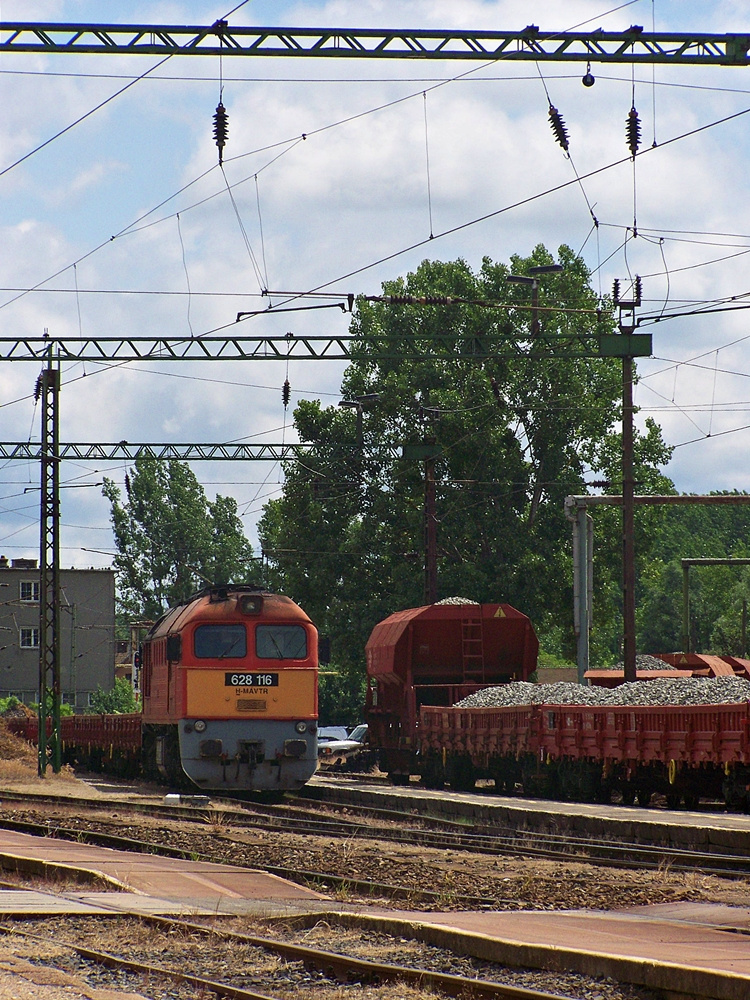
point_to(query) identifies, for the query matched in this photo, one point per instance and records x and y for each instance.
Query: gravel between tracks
(250, 968)
(505, 883)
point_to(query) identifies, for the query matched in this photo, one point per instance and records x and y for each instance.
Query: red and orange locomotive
(230, 694)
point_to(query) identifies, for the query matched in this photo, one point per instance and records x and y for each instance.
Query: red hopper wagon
(436, 655)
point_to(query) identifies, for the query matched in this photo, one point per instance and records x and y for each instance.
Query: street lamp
(532, 278)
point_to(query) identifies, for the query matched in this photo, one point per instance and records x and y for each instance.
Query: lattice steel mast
(50, 750)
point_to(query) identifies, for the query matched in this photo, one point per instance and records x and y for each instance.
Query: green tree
(714, 531)
(171, 539)
(515, 435)
(340, 698)
(119, 700)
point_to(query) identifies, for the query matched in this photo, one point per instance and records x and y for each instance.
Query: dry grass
(19, 762)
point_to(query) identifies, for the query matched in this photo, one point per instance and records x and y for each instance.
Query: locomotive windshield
(220, 642)
(280, 642)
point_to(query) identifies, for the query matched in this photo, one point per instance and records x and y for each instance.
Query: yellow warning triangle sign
(500, 613)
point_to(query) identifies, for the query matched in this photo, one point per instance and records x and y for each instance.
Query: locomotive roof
(220, 603)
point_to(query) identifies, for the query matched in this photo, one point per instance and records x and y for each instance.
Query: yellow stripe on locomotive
(220, 693)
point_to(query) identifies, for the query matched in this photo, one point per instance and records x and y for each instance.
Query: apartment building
(87, 632)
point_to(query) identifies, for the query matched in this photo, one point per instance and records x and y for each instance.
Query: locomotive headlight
(200, 726)
(301, 727)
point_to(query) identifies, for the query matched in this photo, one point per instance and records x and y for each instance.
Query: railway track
(334, 966)
(403, 828)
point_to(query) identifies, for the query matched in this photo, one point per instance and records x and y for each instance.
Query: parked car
(333, 733)
(333, 748)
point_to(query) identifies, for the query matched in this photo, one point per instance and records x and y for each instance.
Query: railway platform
(686, 949)
(720, 832)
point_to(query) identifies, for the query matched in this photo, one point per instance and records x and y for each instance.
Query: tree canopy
(171, 539)
(515, 431)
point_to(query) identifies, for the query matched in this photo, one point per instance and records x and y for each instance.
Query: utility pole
(50, 748)
(358, 403)
(430, 527)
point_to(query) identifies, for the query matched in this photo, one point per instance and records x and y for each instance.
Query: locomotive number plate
(251, 680)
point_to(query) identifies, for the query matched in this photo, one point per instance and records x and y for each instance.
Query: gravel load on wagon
(665, 691)
(642, 662)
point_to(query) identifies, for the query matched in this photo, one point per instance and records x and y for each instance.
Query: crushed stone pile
(642, 662)
(664, 691)
(456, 600)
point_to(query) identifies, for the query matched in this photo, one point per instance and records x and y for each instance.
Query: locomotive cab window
(280, 642)
(220, 642)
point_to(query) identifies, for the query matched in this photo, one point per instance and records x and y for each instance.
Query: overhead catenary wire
(440, 83)
(266, 283)
(392, 256)
(427, 162)
(187, 275)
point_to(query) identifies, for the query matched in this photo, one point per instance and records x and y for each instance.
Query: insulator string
(560, 131)
(558, 128)
(633, 137)
(221, 129)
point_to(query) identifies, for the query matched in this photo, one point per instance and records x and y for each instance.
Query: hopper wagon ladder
(472, 650)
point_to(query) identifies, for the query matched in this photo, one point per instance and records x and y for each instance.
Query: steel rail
(333, 965)
(300, 876)
(366, 970)
(593, 851)
(529, 44)
(115, 962)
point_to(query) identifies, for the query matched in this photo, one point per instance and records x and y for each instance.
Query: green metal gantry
(527, 45)
(342, 347)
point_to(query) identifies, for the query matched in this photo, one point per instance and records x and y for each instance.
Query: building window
(30, 591)
(29, 638)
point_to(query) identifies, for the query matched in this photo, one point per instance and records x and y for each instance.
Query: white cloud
(341, 200)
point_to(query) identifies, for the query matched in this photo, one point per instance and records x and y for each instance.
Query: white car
(335, 746)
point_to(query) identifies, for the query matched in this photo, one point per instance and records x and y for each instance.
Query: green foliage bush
(119, 700)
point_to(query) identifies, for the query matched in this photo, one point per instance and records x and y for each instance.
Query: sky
(124, 225)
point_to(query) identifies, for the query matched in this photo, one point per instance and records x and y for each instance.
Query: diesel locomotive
(229, 688)
(229, 684)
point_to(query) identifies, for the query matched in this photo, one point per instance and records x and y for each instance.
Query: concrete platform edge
(50, 869)
(636, 824)
(674, 980)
